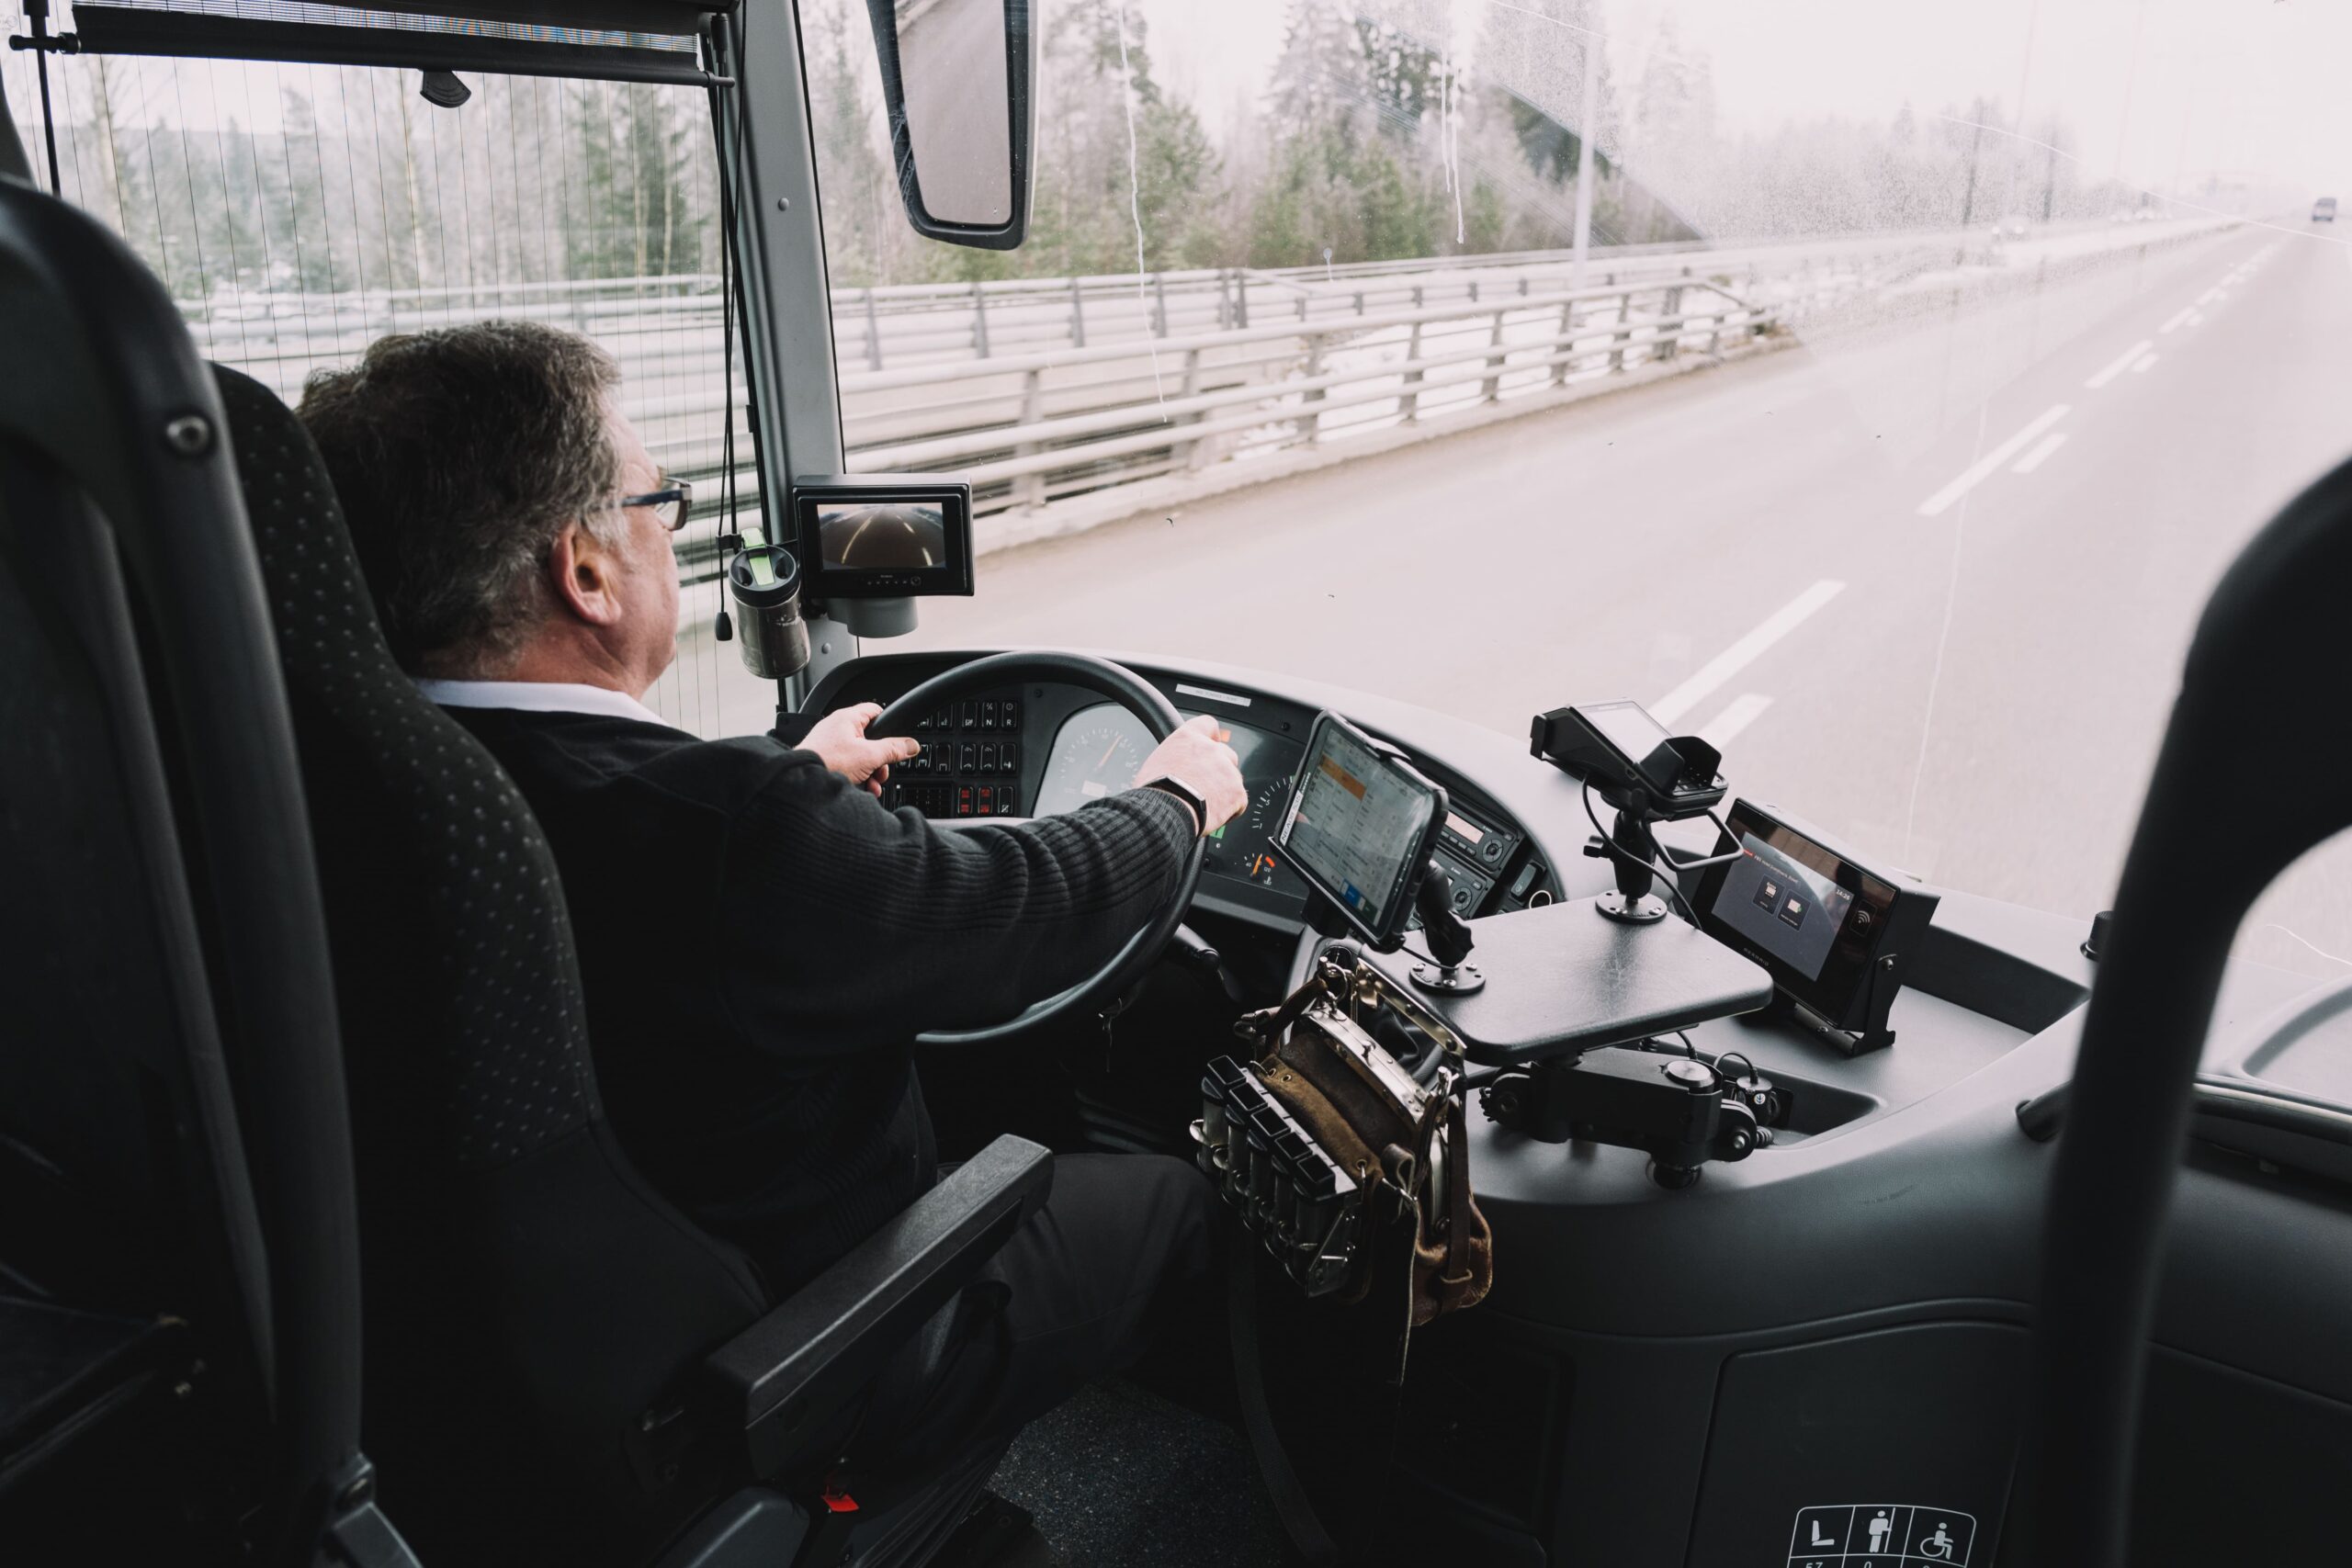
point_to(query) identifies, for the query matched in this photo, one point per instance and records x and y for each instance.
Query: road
(1929, 577)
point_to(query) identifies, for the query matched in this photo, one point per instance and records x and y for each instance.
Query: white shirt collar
(540, 696)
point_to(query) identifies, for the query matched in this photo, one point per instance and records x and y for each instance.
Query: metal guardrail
(1042, 389)
(280, 335)
(877, 328)
(1027, 429)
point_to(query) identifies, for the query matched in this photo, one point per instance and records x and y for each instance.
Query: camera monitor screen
(870, 536)
(1358, 825)
(884, 536)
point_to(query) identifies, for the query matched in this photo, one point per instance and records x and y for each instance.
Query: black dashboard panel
(1041, 748)
(1823, 1333)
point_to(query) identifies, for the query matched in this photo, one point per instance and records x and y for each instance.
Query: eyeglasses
(670, 505)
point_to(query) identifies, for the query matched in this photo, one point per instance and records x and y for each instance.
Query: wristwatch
(1167, 785)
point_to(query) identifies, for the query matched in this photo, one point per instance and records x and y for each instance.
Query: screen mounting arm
(1447, 934)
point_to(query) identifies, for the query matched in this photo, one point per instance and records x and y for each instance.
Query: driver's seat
(562, 1369)
(551, 1376)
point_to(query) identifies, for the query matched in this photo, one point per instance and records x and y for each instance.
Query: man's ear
(584, 574)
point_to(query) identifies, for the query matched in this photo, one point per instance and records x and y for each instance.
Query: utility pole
(1588, 116)
(2131, 76)
(2025, 75)
(1968, 202)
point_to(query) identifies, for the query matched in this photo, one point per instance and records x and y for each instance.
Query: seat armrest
(783, 1377)
(753, 1528)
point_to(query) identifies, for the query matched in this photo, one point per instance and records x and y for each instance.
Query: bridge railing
(1041, 391)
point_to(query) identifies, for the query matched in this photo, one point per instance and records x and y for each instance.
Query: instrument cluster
(1100, 749)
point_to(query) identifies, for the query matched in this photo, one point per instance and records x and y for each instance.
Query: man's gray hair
(460, 455)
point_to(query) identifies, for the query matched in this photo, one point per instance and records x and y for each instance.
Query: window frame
(749, 61)
(787, 291)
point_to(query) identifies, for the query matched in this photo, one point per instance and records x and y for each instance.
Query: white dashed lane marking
(2034, 459)
(1984, 467)
(2123, 362)
(1738, 713)
(1709, 677)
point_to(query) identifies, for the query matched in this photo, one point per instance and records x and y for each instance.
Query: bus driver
(760, 941)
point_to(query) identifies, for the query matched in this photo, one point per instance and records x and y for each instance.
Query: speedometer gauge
(1255, 862)
(1097, 753)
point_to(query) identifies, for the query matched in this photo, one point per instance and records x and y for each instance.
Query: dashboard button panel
(969, 765)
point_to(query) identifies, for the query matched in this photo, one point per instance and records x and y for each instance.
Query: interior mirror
(956, 76)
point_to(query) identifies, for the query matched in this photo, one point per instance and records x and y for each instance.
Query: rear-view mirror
(956, 76)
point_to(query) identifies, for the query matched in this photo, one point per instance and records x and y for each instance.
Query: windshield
(1922, 367)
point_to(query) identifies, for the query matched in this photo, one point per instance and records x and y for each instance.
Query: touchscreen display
(1358, 824)
(1789, 910)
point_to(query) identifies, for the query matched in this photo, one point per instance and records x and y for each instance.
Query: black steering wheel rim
(1158, 716)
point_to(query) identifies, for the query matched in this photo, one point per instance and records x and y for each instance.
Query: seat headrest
(445, 906)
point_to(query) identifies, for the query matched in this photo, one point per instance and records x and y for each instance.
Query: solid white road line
(2181, 319)
(1742, 711)
(1713, 675)
(2121, 364)
(2209, 296)
(2034, 459)
(2143, 367)
(1984, 466)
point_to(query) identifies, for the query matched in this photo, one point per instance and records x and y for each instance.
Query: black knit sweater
(760, 942)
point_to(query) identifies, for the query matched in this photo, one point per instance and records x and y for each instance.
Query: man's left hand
(840, 738)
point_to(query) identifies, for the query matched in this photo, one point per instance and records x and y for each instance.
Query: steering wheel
(1159, 716)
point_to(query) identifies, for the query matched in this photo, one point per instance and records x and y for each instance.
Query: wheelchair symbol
(1938, 1546)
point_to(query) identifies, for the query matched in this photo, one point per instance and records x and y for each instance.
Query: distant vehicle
(2013, 227)
(2323, 209)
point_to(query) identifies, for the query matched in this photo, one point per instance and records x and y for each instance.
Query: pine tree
(1401, 79)
(303, 203)
(1321, 82)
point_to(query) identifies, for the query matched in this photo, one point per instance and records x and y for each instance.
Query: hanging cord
(723, 628)
(42, 46)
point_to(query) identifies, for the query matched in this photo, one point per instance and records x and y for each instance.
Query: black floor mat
(1121, 1478)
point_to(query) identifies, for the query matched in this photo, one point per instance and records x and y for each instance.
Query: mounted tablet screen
(1358, 825)
(881, 536)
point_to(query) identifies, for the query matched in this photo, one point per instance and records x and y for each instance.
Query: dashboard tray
(1562, 978)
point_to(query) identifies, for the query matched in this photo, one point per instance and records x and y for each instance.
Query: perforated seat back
(528, 1299)
(171, 1107)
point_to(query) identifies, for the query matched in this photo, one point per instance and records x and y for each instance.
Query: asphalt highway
(1926, 577)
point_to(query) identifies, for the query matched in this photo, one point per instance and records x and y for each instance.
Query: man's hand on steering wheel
(840, 738)
(1190, 757)
(1197, 757)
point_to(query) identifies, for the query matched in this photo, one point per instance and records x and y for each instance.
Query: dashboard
(1889, 1236)
(1040, 748)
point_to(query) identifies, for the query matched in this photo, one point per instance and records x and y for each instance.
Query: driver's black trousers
(1121, 1246)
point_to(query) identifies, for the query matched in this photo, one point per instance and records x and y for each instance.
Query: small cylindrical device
(765, 582)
